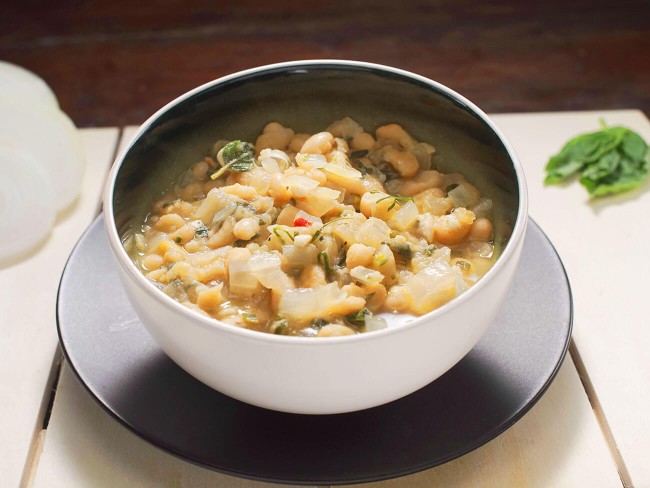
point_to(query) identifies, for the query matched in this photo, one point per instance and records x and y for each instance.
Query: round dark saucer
(488, 391)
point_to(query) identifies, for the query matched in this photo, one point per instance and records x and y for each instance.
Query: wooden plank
(87, 448)
(28, 339)
(556, 444)
(505, 56)
(604, 245)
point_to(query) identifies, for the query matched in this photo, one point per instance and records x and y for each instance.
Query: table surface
(589, 429)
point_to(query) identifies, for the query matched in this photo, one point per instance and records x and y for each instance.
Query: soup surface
(317, 235)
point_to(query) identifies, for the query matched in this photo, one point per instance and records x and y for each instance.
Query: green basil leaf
(237, 156)
(609, 161)
(358, 319)
(634, 146)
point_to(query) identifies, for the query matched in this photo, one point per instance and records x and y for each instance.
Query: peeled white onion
(27, 209)
(19, 83)
(50, 138)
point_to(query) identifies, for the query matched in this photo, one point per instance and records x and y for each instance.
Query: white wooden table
(591, 428)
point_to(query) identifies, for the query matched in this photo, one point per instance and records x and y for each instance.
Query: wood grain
(600, 242)
(28, 315)
(116, 62)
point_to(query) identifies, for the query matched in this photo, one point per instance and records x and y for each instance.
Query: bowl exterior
(322, 376)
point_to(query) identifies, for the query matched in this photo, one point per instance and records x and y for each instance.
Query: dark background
(114, 62)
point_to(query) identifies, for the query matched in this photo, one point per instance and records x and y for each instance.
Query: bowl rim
(144, 284)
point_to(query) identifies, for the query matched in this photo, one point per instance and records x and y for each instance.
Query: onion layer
(27, 209)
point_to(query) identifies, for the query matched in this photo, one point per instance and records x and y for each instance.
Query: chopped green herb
(178, 239)
(318, 323)
(379, 259)
(402, 250)
(430, 250)
(609, 161)
(168, 203)
(280, 327)
(324, 261)
(318, 233)
(359, 154)
(396, 199)
(358, 319)
(292, 201)
(464, 265)
(250, 318)
(238, 156)
(276, 232)
(201, 232)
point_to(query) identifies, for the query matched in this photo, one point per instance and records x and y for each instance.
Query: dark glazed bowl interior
(307, 97)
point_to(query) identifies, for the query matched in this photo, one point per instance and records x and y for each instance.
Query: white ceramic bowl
(315, 375)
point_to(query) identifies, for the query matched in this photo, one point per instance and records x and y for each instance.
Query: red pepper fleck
(301, 222)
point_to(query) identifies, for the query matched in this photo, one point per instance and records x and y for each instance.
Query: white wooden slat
(557, 444)
(28, 337)
(84, 447)
(604, 246)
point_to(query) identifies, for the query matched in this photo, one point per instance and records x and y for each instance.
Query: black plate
(488, 391)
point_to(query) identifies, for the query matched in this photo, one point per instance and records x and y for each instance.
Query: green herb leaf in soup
(235, 156)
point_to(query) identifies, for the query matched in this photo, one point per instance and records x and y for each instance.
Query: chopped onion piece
(279, 156)
(406, 216)
(342, 171)
(319, 201)
(17, 83)
(27, 206)
(464, 195)
(299, 186)
(270, 165)
(366, 275)
(306, 160)
(434, 286)
(423, 153)
(483, 208)
(299, 257)
(304, 215)
(375, 323)
(305, 304)
(50, 138)
(265, 267)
